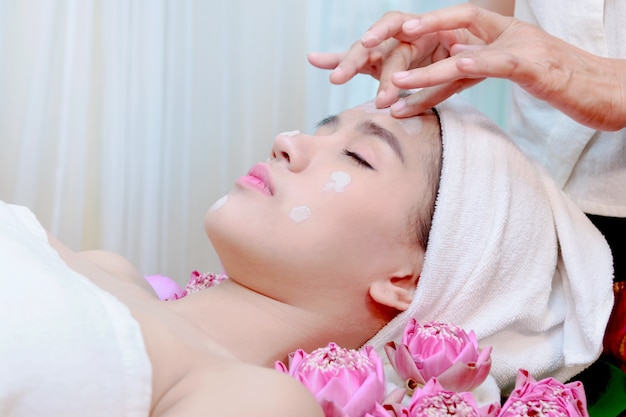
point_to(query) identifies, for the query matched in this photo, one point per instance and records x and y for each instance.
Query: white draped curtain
(122, 121)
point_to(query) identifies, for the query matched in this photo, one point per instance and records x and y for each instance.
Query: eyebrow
(328, 120)
(370, 128)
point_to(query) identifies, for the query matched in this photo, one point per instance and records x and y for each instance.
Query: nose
(291, 148)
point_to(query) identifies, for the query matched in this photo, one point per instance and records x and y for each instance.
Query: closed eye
(358, 159)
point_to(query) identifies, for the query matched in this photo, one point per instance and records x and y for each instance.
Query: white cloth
(589, 165)
(67, 348)
(510, 257)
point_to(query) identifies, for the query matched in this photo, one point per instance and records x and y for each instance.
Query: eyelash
(358, 159)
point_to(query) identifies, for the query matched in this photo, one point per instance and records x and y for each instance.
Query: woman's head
(336, 221)
(328, 225)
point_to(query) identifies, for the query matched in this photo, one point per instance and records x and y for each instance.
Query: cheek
(300, 213)
(338, 182)
(350, 208)
(372, 211)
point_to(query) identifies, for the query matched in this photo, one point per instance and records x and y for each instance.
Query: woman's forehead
(411, 125)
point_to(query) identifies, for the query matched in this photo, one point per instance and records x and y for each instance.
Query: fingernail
(381, 95)
(411, 25)
(368, 37)
(401, 75)
(398, 106)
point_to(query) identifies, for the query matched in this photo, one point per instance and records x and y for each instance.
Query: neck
(254, 328)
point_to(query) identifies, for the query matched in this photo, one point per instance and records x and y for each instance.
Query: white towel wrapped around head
(510, 257)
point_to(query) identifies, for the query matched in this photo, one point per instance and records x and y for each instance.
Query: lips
(258, 178)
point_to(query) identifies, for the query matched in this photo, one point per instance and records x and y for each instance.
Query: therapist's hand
(588, 88)
(388, 48)
(382, 55)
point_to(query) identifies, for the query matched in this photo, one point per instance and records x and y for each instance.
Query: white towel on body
(510, 257)
(67, 348)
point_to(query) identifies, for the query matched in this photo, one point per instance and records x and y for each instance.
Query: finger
(397, 60)
(362, 60)
(459, 48)
(324, 60)
(331, 61)
(351, 63)
(427, 49)
(440, 72)
(422, 100)
(427, 98)
(501, 65)
(439, 54)
(482, 23)
(450, 38)
(479, 62)
(388, 26)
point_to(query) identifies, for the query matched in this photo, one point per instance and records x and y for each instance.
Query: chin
(216, 230)
(231, 242)
(209, 222)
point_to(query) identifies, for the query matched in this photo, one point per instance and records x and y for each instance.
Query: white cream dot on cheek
(219, 203)
(300, 214)
(338, 182)
(290, 133)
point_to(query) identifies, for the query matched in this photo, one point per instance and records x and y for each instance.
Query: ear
(396, 292)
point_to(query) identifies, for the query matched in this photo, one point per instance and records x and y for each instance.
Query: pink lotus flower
(547, 397)
(439, 350)
(346, 382)
(433, 400)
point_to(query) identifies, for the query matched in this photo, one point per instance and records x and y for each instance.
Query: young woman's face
(330, 212)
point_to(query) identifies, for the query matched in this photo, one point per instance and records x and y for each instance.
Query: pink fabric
(168, 289)
(165, 287)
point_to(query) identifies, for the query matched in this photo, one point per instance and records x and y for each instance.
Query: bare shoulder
(100, 265)
(282, 395)
(116, 265)
(286, 396)
(246, 390)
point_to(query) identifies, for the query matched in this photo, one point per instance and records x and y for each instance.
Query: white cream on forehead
(300, 214)
(338, 181)
(219, 203)
(290, 133)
